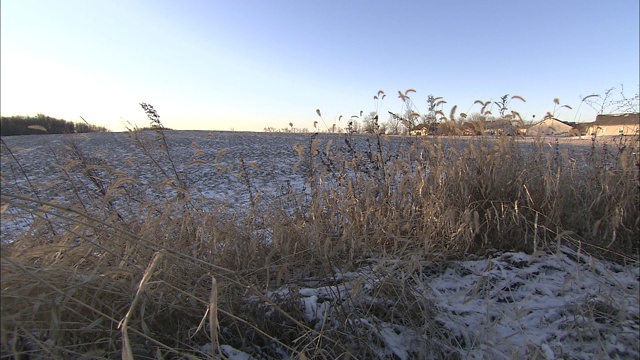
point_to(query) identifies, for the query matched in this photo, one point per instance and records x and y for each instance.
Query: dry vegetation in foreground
(102, 276)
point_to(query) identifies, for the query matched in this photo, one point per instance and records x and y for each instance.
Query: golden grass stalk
(213, 317)
(127, 353)
(452, 114)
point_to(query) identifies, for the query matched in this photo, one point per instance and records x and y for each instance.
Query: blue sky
(246, 65)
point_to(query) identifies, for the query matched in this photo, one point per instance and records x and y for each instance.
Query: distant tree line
(152, 127)
(42, 124)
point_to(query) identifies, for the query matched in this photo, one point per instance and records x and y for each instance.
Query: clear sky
(246, 65)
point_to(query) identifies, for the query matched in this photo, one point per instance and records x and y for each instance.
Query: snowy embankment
(509, 305)
(560, 305)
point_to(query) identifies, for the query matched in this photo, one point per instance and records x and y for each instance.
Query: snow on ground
(558, 305)
(510, 305)
(216, 178)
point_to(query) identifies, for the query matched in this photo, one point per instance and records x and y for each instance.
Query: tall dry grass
(110, 271)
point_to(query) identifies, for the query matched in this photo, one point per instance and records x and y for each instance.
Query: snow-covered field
(505, 306)
(562, 305)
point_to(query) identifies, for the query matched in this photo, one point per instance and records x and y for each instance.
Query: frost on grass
(514, 305)
(551, 305)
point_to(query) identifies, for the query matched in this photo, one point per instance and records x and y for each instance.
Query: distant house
(424, 129)
(615, 124)
(552, 127)
(502, 127)
(583, 127)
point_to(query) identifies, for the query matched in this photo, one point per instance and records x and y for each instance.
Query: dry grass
(103, 276)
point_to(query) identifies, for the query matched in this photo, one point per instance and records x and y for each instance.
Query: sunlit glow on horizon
(248, 66)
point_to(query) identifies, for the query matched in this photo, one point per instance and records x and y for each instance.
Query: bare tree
(393, 125)
(611, 103)
(370, 123)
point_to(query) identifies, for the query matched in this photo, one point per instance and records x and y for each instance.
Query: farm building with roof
(615, 124)
(552, 127)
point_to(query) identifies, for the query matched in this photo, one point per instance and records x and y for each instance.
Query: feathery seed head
(37, 127)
